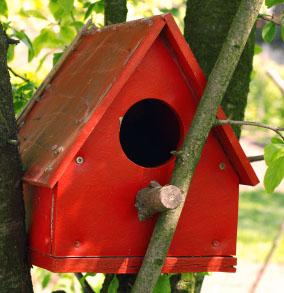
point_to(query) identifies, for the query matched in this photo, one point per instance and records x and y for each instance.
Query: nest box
(100, 128)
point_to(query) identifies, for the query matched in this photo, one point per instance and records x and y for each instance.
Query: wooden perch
(156, 199)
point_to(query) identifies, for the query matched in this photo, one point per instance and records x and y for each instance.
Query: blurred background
(43, 39)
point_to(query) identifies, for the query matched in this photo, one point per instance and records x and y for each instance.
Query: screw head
(76, 244)
(215, 243)
(222, 166)
(79, 160)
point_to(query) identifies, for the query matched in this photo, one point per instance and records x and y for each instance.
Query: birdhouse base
(131, 265)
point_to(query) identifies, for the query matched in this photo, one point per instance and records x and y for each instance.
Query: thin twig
(20, 76)
(275, 244)
(270, 19)
(12, 41)
(234, 122)
(256, 158)
(74, 19)
(278, 80)
(87, 288)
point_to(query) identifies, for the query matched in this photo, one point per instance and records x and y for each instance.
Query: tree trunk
(206, 26)
(115, 11)
(14, 268)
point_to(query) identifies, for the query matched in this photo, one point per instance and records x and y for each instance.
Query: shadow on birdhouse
(102, 127)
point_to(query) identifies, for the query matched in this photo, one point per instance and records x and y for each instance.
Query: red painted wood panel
(95, 213)
(197, 81)
(39, 205)
(126, 265)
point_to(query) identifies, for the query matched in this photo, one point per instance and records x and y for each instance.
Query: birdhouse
(102, 127)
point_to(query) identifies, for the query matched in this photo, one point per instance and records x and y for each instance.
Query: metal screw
(47, 169)
(76, 244)
(79, 160)
(215, 243)
(222, 166)
(58, 150)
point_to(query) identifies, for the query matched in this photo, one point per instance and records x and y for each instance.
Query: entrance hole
(149, 131)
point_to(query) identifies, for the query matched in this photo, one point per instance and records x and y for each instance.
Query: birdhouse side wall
(39, 206)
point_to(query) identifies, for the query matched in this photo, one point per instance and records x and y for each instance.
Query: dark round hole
(149, 131)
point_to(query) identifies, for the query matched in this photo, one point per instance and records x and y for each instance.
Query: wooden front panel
(95, 213)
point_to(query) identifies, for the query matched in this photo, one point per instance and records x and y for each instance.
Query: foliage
(269, 29)
(265, 102)
(270, 3)
(260, 217)
(269, 32)
(50, 26)
(274, 159)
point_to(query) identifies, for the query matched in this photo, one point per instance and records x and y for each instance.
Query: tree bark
(115, 11)
(14, 267)
(206, 26)
(189, 155)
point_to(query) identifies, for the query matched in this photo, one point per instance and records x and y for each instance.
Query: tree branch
(18, 75)
(74, 19)
(256, 158)
(12, 41)
(233, 122)
(87, 288)
(195, 139)
(270, 18)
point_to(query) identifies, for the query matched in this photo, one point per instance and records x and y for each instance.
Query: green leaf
(77, 24)
(67, 5)
(18, 106)
(56, 57)
(45, 280)
(98, 7)
(46, 39)
(10, 53)
(32, 13)
(163, 284)
(268, 32)
(272, 152)
(257, 49)
(3, 8)
(174, 11)
(21, 35)
(113, 285)
(82, 280)
(277, 140)
(270, 3)
(282, 33)
(56, 9)
(42, 61)
(274, 175)
(67, 34)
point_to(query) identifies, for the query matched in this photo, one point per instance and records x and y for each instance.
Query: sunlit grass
(260, 216)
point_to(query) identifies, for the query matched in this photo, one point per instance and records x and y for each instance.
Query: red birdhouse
(102, 127)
